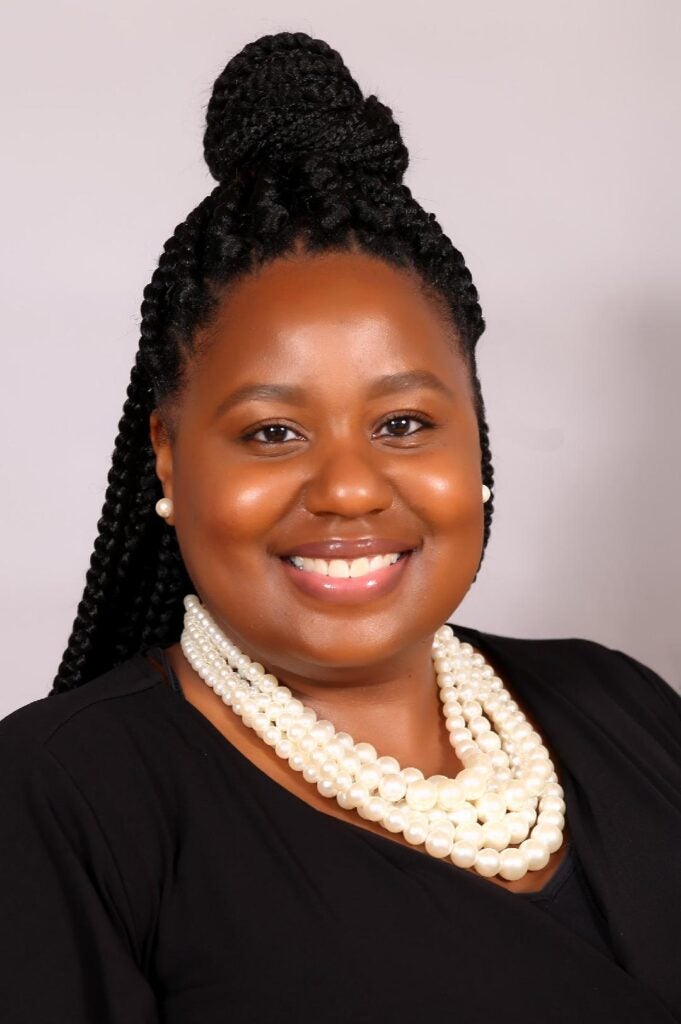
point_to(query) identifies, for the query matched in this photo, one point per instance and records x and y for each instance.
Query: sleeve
(670, 697)
(66, 952)
(655, 702)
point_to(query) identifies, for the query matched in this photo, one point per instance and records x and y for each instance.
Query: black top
(150, 872)
(566, 894)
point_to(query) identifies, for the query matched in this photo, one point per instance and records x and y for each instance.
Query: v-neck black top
(566, 894)
(150, 872)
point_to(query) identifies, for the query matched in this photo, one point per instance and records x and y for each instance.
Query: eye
(401, 423)
(275, 433)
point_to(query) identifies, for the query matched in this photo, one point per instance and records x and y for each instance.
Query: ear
(160, 442)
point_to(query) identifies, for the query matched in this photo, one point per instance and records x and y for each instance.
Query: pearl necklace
(502, 814)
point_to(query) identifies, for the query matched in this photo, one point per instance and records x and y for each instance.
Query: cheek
(446, 492)
(232, 504)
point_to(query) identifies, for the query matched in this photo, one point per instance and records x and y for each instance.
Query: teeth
(339, 568)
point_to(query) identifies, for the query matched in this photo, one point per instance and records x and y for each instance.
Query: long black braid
(302, 160)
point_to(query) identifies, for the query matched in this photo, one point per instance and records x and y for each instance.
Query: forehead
(299, 314)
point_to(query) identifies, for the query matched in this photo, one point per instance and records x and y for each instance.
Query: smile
(346, 581)
(343, 569)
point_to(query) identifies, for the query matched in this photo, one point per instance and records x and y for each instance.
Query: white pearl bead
(449, 794)
(358, 794)
(471, 833)
(479, 726)
(411, 774)
(464, 814)
(512, 864)
(329, 770)
(489, 742)
(464, 854)
(529, 814)
(421, 795)
(537, 854)
(326, 787)
(350, 763)
(516, 795)
(297, 762)
(552, 803)
(549, 834)
(395, 820)
(487, 862)
(344, 801)
(472, 709)
(472, 782)
(416, 833)
(284, 749)
(388, 765)
(481, 763)
(460, 735)
(366, 752)
(551, 818)
(374, 809)
(490, 806)
(321, 731)
(438, 844)
(271, 736)
(534, 784)
(497, 834)
(369, 775)
(519, 827)
(392, 787)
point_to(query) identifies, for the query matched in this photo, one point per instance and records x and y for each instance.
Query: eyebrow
(389, 384)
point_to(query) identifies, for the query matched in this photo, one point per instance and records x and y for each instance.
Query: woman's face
(330, 406)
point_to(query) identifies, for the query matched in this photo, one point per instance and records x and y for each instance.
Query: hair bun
(285, 97)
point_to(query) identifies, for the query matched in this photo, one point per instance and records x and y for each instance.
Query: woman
(365, 815)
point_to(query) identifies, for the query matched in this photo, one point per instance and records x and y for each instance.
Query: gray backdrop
(544, 136)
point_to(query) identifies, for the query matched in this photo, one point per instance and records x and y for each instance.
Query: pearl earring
(164, 507)
(486, 493)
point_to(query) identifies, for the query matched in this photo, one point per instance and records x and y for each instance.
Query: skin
(347, 465)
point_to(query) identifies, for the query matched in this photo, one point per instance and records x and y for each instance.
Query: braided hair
(302, 159)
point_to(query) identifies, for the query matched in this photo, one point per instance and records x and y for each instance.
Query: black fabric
(150, 872)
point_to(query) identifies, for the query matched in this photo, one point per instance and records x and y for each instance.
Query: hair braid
(302, 158)
(108, 624)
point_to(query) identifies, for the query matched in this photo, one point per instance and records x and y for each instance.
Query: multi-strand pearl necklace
(502, 814)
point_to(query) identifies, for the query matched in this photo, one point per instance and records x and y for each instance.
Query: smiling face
(331, 403)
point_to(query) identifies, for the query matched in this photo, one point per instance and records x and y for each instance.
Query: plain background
(543, 134)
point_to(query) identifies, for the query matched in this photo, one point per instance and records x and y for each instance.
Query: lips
(348, 548)
(373, 585)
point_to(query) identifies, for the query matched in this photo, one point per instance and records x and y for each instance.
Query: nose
(348, 482)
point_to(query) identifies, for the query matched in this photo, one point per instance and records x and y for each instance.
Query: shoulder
(597, 656)
(588, 672)
(97, 757)
(85, 804)
(93, 715)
